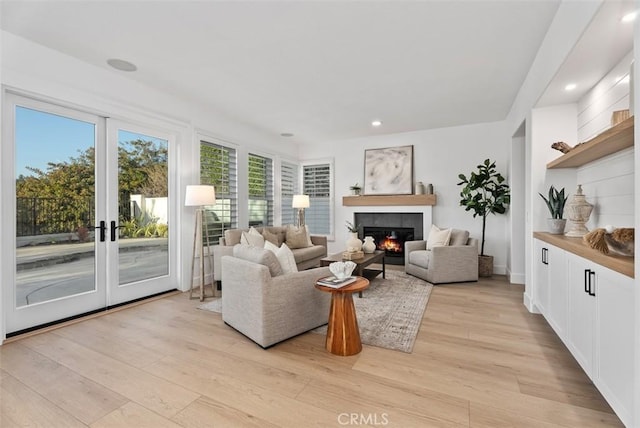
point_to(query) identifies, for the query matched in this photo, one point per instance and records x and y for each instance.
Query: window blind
(218, 167)
(260, 170)
(289, 187)
(316, 182)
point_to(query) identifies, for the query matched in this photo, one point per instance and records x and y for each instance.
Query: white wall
(439, 156)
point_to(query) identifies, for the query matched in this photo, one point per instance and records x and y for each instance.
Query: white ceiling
(320, 70)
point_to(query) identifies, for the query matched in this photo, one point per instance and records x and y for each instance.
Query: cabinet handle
(592, 289)
(586, 281)
(545, 258)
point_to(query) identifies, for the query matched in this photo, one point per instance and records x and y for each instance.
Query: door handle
(113, 231)
(592, 290)
(103, 230)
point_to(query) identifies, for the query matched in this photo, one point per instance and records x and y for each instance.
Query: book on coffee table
(333, 282)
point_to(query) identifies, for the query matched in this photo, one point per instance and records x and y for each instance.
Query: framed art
(388, 171)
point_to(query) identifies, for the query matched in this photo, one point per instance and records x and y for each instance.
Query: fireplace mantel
(388, 200)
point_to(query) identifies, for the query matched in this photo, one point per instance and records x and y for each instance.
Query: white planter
(369, 245)
(353, 243)
(556, 225)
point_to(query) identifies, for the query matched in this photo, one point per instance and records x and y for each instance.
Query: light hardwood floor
(480, 360)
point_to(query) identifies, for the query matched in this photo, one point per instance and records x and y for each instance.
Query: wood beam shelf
(614, 139)
(388, 200)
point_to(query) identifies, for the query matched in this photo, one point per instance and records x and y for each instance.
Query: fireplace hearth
(390, 231)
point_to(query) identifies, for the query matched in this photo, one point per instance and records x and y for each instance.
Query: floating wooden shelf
(614, 139)
(388, 200)
(577, 246)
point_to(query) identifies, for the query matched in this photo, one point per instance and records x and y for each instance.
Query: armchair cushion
(260, 256)
(420, 258)
(438, 237)
(458, 237)
(284, 255)
(253, 238)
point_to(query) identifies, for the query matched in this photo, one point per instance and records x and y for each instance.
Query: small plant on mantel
(355, 189)
(555, 204)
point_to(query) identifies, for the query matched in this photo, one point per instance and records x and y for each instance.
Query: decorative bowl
(342, 270)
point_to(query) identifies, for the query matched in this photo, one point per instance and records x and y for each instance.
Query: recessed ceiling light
(376, 123)
(631, 16)
(570, 87)
(122, 65)
(286, 134)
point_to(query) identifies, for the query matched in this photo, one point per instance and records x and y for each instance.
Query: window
(316, 182)
(218, 168)
(260, 191)
(289, 187)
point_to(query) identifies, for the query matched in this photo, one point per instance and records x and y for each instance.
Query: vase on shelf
(369, 246)
(578, 210)
(353, 243)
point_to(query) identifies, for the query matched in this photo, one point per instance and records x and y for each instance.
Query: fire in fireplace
(391, 241)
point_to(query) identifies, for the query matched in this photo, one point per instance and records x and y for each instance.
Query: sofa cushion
(259, 256)
(270, 237)
(309, 253)
(252, 237)
(232, 236)
(420, 258)
(459, 237)
(297, 237)
(438, 237)
(284, 255)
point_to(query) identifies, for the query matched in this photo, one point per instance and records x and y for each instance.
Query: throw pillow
(459, 237)
(438, 237)
(270, 237)
(260, 256)
(253, 238)
(309, 243)
(284, 255)
(296, 237)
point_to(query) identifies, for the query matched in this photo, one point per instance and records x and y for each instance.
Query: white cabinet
(591, 308)
(582, 311)
(614, 338)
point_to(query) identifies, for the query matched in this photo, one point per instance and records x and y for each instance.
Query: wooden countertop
(620, 264)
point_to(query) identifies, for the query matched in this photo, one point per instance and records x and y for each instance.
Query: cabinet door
(540, 290)
(582, 311)
(615, 340)
(557, 304)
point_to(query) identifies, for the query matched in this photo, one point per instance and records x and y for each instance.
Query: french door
(89, 215)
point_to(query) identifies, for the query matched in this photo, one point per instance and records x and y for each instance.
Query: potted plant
(355, 189)
(484, 193)
(353, 243)
(555, 203)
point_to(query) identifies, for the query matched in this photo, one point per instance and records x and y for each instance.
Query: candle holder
(578, 210)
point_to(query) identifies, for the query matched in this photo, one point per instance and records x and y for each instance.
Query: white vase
(353, 243)
(369, 246)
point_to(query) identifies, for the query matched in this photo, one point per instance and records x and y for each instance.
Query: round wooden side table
(343, 336)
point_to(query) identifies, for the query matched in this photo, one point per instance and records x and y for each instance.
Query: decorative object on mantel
(388, 171)
(555, 203)
(429, 189)
(562, 146)
(353, 243)
(578, 211)
(356, 190)
(484, 193)
(369, 245)
(419, 188)
(620, 241)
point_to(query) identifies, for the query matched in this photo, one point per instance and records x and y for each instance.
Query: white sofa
(266, 308)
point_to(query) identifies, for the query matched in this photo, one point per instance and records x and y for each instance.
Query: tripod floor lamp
(200, 196)
(300, 202)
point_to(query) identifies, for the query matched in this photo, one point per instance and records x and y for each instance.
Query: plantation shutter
(316, 182)
(218, 168)
(260, 191)
(290, 187)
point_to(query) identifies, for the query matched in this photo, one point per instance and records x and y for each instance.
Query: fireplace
(390, 231)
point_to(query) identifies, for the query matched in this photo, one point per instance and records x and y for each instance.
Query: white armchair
(457, 262)
(265, 305)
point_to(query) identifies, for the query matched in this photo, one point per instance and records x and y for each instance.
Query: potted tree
(484, 193)
(555, 203)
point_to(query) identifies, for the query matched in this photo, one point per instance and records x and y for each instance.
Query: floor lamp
(199, 196)
(300, 202)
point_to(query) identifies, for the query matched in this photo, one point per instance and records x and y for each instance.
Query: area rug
(389, 313)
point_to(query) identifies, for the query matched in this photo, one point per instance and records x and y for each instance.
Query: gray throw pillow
(297, 237)
(459, 237)
(259, 256)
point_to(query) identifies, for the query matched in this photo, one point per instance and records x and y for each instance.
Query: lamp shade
(199, 195)
(300, 201)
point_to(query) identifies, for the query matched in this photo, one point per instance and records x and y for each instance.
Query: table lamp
(199, 196)
(300, 202)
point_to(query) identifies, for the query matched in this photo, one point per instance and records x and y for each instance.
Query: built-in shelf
(388, 200)
(620, 264)
(614, 139)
